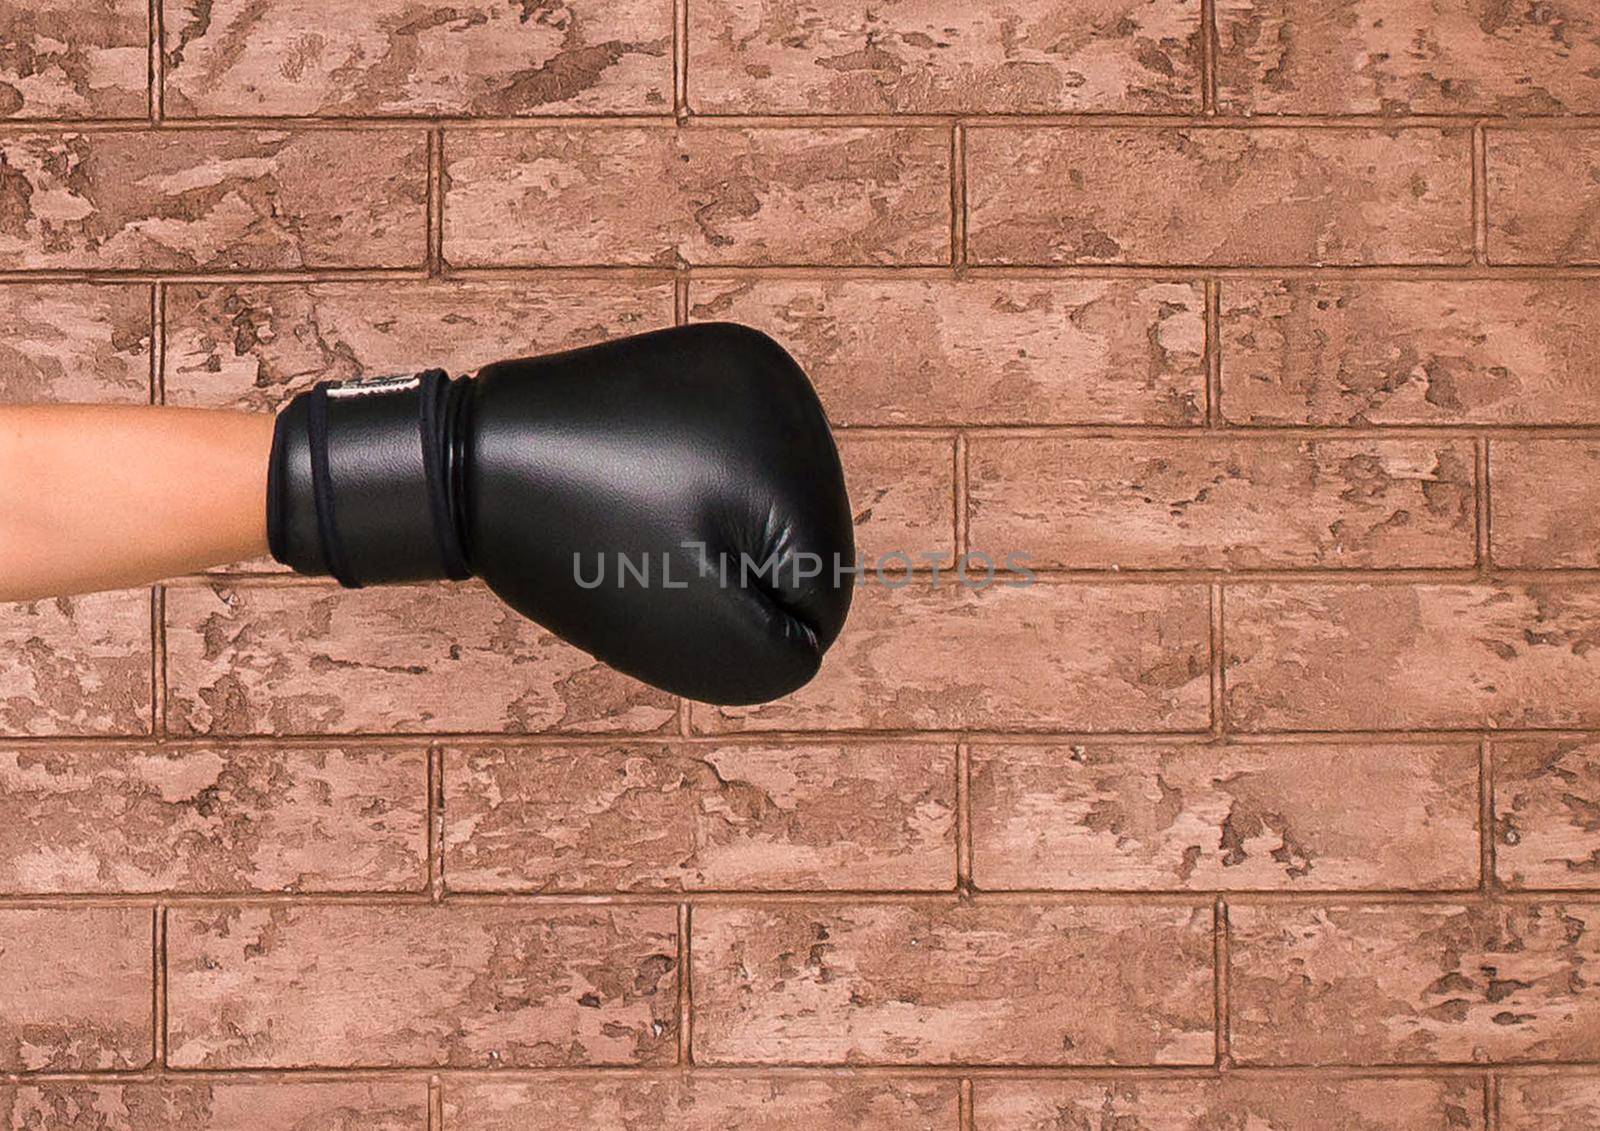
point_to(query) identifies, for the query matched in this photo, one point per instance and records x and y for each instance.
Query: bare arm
(99, 497)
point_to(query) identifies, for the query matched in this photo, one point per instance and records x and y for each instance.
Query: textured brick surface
(1550, 1103)
(1529, 222)
(907, 984)
(714, 195)
(75, 343)
(1256, 338)
(1546, 503)
(253, 346)
(1410, 352)
(238, 57)
(303, 660)
(68, 59)
(1377, 657)
(1547, 812)
(1276, 817)
(770, 1103)
(1289, 1104)
(1272, 196)
(765, 56)
(1043, 657)
(600, 818)
(76, 988)
(1399, 984)
(217, 1106)
(76, 818)
(1153, 504)
(346, 986)
(892, 351)
(76, 665)
(1408, 56)
(265, 198)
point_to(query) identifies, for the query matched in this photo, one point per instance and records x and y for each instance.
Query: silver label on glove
(374, 386)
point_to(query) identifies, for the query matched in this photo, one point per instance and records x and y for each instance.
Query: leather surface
(645, 447)
(671, 503)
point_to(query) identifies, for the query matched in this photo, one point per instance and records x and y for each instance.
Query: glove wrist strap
(364, 482)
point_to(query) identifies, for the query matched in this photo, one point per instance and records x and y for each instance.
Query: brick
(1299, 1103)
(1411, 352)
(944, 56)
(1549, 1103)
(81, 818)
(692, 1103)
(75, 989)
(916, 984)
(1547, 812)
(437, 659)
(1375, 657)
(1313, 817)
(1407, 57)
(680, 816)
(253, 346)
(1039, 657)
(902, 494)
(1531, 218)
(76, 665)
(709, 195)
(213, 199)
(249, 57)
(217, 1105)
(1224, 503)
(1545, 502)
(1219, 196)
(982, 351)
(70, 342)
(66, 59)
(1412, 983)
(473, 986)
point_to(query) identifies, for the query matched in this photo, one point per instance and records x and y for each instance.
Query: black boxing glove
(671, 503)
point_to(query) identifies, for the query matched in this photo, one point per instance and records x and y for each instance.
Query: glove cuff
(364, 481)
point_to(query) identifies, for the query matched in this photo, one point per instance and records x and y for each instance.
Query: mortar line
(1198, 119)
(1491, 1101)
(1213, 353)
(962, 497)
(685, 985)
(1221, 979)
(158, 988)
(436, 818)
(433, 254)
(953, 1072)
(1040, 737)
(156, 63)
(1483, 505)
(680, 60)
(964, 1104)
(1219, 689)
(1208, 57)
(929, 271)
(964, 819)
(681, 282)
(1480, 193)
(435, 1103)
(958, 196)
(538, 901)
(158, 664)
(158, 342)
(1488, 866)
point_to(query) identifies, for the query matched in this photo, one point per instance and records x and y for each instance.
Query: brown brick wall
(1266, 327)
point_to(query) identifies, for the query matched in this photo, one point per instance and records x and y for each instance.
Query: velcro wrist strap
(364, 471)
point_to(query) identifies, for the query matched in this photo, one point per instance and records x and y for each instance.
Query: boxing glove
(671, 503)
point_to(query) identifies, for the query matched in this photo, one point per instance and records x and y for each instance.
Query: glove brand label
(373, 386)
